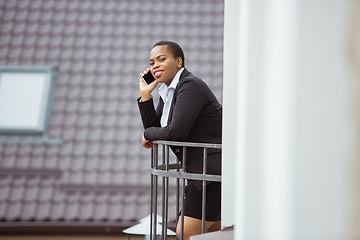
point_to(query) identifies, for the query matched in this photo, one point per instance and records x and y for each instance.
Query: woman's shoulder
(190, 79)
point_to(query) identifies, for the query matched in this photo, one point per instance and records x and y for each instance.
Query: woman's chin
(159, 80)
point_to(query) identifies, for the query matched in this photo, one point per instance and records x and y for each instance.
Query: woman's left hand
(146, 143)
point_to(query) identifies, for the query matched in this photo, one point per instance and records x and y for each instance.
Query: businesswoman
(187, 111)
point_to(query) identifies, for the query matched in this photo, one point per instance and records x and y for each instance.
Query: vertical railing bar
(203, 217)
(183, 195)
(177, 195)
(167, 158)
(155, 192)
(184, 160)
(182, 209)
(165, 217)
(166, 192)
(155, 207)
(152, 194)
(163, 197)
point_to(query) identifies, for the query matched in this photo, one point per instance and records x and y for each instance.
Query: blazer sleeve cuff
(145, 104)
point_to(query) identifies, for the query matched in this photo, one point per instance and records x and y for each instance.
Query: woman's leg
(192, 226)
(216, 226)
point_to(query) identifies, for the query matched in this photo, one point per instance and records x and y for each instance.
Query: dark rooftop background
(100, 174)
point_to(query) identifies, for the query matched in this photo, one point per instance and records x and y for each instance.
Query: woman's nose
(155, 65)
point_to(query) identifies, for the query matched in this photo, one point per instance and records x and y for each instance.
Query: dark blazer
(195, 116)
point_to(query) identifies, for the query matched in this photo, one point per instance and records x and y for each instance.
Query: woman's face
(163, 64)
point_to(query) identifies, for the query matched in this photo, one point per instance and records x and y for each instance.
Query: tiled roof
(100, 172)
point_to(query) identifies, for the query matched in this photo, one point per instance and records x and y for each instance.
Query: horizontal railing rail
(164, 170)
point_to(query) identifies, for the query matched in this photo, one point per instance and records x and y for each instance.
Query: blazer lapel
(184, 74)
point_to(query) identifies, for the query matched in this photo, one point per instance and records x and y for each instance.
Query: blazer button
(177, 150)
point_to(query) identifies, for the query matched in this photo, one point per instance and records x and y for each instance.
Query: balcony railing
(177, 171)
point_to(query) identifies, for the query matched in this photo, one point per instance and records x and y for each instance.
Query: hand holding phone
(147, 84)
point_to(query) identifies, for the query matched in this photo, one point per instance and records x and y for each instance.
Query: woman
(187, 111)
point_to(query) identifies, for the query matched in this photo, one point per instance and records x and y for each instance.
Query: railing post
(183, 195)
(203, 217)
(177, 194)
(163, 197)
(152, 195)
(166, 193)
(156, 155)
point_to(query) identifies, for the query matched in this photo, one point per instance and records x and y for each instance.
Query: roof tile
(90, 177)
(16, 193)
(37, 161)
(75, 177)
(100, 211)
(32, 180)
(43, 211)
(71, 211)
(28, 210)
(115, 212)
(13, 211)
(3, 208)
(8, 161)
(117, 176)
(4, 194)
(104, 178)
(31, 193)
(51, 161)
(45, 194)
(58, 196)
(77, 165)
(86, 211)
(57, 211)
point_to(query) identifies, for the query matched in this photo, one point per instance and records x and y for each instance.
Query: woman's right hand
(146, 143)
(145, 90)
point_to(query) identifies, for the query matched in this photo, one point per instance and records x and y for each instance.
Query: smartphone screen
(148, 78)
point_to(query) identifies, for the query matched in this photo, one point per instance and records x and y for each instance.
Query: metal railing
(164, 170)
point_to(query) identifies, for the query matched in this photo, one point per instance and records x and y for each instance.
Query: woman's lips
(158, 73)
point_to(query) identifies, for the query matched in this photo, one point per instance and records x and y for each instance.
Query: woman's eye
(151, 64)
(162, 59)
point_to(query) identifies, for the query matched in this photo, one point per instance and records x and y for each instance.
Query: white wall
(230, 108)
(322, 121)
(287, 128)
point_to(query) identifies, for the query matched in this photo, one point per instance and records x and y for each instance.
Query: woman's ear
(179, 62)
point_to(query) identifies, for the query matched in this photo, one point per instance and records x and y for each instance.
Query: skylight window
(26, 96)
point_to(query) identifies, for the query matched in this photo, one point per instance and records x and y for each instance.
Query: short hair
(174, 48)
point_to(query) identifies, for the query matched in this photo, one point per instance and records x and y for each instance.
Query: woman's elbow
(176, 136)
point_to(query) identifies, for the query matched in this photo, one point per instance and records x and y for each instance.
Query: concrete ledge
(225, 234)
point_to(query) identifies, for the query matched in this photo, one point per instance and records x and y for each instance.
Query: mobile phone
(148, 78)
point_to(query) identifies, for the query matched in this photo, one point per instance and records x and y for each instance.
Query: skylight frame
(46, 98)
